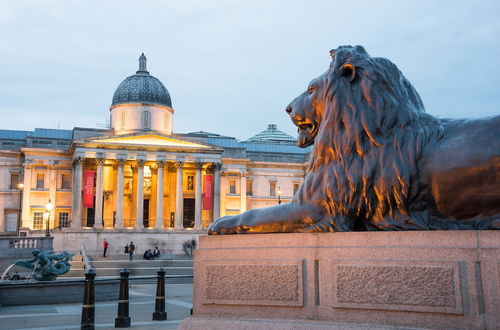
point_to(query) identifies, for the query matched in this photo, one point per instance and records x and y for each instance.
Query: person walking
(126, 249)
(131, 249)
(105, 245)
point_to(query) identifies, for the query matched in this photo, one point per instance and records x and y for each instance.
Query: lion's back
(463, 169)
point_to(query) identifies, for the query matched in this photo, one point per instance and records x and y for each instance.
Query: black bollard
(160, 314)
(88, 308)
(123, 319)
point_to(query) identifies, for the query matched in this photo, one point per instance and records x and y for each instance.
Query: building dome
(142, 88)
(141, 103)
(272, 135)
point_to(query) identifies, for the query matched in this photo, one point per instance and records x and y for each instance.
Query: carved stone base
(436, 279)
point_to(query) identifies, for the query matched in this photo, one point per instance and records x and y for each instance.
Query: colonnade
(160, 165)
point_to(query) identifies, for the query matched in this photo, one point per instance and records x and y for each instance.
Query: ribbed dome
(272, 135)
(142, 88)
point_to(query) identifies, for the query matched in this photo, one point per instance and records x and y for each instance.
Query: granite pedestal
(432, 279)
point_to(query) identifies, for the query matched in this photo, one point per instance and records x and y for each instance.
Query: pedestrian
(105, 244)
(15, 277)
(131, 249)
(126, 248)
(148, 255)
(156, 252)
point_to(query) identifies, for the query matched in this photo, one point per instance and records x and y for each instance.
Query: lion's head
(368, 125)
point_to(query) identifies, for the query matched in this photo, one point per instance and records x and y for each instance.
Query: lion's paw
(224, 225)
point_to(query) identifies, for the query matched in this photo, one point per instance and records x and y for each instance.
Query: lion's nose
(288, 110)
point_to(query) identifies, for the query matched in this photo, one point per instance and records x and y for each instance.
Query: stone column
(119, 195)
(76, 207)
(197, 197)
(98, 194)
(52, 193)
(217, 167)
(26, 213)
(178, 197)
(243, 192)
(139, 211)
(159, 194)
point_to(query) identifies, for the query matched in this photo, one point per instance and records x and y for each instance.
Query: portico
(158, 186)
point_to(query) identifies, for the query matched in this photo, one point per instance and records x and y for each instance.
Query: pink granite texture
(433, 279)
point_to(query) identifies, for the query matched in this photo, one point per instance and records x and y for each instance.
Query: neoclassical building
(138, 179)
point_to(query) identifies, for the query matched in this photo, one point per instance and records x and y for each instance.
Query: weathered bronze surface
(379, 161)
(46, 265)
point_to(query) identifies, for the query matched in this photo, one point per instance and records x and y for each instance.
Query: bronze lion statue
(379, 161)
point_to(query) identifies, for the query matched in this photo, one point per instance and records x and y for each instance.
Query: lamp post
(49, 208)
(279, 195)
(20, 186)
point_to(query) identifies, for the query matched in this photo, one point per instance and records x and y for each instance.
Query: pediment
(147, 140)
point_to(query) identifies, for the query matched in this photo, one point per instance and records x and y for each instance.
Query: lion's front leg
(289, 217)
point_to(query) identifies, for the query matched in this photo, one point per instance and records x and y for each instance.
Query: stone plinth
(433, 279)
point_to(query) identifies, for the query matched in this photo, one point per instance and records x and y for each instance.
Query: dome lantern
(142, 64)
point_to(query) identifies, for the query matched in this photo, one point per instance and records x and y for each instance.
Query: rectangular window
(295, 187)
(14, 180)
(249, 188)
(65, 182)
(122, 124)
(38, 220)
(232, 186)
(63, 219)
(39, 180)
(272, 188)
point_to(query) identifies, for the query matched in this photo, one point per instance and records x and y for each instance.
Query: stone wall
(168, 241)
(438, 279)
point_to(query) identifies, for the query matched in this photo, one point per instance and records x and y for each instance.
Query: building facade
(138, 177)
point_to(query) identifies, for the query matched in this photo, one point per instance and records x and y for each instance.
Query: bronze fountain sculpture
(379, 161)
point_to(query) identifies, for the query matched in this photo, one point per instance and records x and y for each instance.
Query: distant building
(138, 177)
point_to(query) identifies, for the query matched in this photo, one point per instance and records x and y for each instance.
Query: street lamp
(20, 186)
(279, 195)
(49, 208)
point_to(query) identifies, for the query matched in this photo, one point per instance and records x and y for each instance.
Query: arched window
(122, 123)
(146, 120)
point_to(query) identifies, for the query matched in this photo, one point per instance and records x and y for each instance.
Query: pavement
(68, 316)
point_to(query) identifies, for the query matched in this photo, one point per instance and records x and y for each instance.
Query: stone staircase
(77, 268)
(172, 264)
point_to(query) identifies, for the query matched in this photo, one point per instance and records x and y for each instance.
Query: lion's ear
(348, 70)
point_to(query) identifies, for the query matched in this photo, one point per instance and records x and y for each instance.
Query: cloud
(232, 66)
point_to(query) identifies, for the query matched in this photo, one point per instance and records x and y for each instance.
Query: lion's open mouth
(302, 127)
(306, 131)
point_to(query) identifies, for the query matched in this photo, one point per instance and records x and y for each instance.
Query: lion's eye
(310, 90)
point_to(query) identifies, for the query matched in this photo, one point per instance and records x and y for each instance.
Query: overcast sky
(231, 67)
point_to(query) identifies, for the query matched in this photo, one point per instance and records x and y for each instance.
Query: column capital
(121, 162)
(179, 164)
(243, 174)
(99, 161)
(160, 163)
(217, 166)
(78, 161)
(28, 163)
(141, 162)
(199, 165)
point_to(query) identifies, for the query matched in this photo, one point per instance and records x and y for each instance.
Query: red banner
(88, 188)
(207, 192)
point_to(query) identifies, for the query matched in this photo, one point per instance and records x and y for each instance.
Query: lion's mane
(369, 142)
